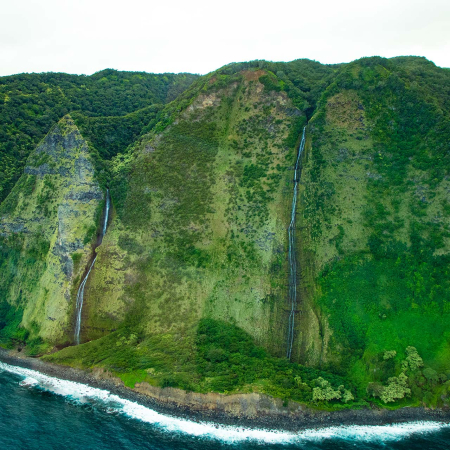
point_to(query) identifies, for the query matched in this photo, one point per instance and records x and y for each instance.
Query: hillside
(47, 225)
(32, 103)
(191, 283)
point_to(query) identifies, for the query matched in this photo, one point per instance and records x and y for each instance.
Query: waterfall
(105, 220)
(80, 293)
(292, 256)
(80, 298)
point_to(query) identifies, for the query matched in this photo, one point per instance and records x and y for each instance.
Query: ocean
(42, 412)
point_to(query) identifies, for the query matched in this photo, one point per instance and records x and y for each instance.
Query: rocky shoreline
(249, 410)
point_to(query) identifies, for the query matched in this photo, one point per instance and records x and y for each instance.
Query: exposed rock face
(52, 212)
(237, 405)
(7, 228)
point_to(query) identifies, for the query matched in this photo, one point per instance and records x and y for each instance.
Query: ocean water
(42, 412)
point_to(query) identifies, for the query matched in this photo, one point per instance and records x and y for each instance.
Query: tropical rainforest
(193, 278)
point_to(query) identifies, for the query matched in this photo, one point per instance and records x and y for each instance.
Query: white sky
(198, 36)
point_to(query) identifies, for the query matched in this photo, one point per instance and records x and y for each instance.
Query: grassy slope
(193, 268)
(47, 225)
(203, 222)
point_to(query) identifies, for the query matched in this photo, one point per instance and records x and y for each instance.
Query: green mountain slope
(375, 221)
(47, 225)
(190, 286)
(203, 211)
(32, 103)
(112, 135)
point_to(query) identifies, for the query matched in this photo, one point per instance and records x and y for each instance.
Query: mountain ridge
(31, 103)
(195, 259)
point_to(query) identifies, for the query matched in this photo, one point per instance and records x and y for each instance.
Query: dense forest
(190, 286)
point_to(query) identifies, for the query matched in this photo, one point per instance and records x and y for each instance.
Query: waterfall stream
(292, 256)
(80, 293)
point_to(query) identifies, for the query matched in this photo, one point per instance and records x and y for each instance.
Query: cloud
(199, 36)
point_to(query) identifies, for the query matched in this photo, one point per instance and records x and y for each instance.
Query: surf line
(80, 293)
(82, 394)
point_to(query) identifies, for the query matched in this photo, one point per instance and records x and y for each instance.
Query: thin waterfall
(105, 220)
(80, 299)
(80, 293)
(292, 256)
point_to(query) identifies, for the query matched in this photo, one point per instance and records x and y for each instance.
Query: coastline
(248, 410)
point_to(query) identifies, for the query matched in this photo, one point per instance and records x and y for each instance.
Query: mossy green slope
(193, 268)
(193, 272)
(374, 226)
(47, 227)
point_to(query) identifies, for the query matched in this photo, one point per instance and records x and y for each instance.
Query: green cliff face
(200, 229)
(190, 285)
(30, 104)
(47, 225)
(375, 221)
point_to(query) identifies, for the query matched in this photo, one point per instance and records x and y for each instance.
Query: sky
(197, 36)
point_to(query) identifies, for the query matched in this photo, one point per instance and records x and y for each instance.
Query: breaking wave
(111, 403)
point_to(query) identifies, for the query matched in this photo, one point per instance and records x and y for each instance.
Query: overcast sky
(85, 36)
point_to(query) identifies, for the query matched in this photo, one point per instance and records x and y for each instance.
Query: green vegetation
(202, 199)
(303, 80)
(13, 255)
(47, 224)
(190, 283)
(374, 205)
(221, 357)
(112, 135)
(30, 104)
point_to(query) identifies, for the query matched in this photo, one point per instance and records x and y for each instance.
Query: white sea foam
(112, 403)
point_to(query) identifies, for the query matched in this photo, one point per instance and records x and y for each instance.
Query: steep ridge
(203, 219)
(191, 285)
(194, 268)
(30, 104)
(47, 224)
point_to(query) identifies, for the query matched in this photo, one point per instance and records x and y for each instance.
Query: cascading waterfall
(80, 293)
(292, 256)
(80, 298)
(105, 221)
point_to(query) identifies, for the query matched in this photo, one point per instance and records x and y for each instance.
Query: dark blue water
(39, 412)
